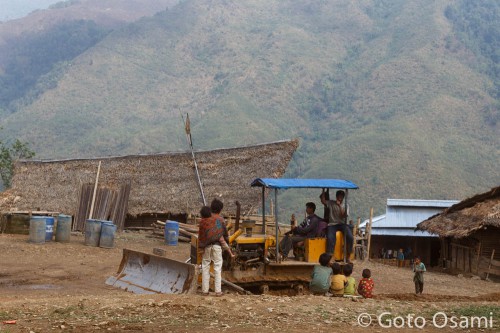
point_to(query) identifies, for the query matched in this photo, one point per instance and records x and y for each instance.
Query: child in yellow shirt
(338, 282)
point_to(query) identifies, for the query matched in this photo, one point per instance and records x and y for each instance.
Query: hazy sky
(12, 9)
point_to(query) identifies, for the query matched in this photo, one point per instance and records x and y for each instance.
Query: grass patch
(5, 315)
(478, 310)
(65, 312)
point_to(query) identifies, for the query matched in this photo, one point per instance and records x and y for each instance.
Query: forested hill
(400, 97)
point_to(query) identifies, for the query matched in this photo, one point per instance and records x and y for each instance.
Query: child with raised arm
(350, 287)
(365, 286)
(321, 276)
(339, 281)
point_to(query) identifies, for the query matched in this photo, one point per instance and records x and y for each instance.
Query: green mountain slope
(385, 93)
(34, 49)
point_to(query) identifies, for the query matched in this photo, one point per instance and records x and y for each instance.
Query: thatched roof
(159, 183)
(467, 216)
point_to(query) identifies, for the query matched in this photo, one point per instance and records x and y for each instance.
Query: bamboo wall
(477, 254)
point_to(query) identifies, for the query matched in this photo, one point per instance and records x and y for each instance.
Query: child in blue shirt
(321, 276)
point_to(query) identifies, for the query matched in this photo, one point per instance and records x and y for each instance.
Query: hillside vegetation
(400, 97)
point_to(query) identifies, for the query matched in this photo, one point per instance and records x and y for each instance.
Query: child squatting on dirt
(205, 213)
(350, 287)
(418, 278)
(321, 276)
(339, 281)
(366, 285)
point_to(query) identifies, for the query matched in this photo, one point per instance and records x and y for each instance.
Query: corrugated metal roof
(407, 216)
(375, 220)
(400, 232)
(421, 203)
(403, 215)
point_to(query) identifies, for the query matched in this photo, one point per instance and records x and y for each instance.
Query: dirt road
(60, 287)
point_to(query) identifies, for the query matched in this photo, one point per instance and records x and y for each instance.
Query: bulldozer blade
(143, 273)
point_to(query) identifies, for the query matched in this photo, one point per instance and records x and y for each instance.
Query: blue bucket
(37, 229)
(49, 228)
(171, 232)
(108, 230)
(63, 230)
(92, 232)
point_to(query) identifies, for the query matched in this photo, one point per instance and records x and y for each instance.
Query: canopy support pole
(346, 226)
(276, 223)
(263, 210)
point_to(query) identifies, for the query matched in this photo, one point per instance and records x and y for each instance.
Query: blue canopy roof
(303, 183)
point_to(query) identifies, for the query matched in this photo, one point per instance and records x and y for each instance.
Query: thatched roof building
(466, 217)
(158, 183)
(469, 233)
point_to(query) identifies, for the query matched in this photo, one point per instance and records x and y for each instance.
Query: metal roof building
(403, 215)
(396, 229)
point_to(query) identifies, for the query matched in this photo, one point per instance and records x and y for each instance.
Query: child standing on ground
(366, 284)
(321, 276)
(418, 278)
(401, 258)
(350, 287)
(339, 281)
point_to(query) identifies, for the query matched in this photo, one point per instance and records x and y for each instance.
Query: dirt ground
(60, 287)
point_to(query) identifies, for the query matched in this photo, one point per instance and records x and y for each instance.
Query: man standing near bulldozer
(211, 229)
(338, 211)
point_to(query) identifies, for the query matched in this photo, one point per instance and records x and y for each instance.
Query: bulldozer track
(271, 281)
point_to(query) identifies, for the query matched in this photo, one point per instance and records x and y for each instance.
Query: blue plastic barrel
(92, 232)
(63, 230)
(49, 228)
(171, 232)
(37, 229)
(108, 230)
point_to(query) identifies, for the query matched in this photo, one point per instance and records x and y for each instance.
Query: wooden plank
(355, 236)
(186, 233)
(484, 261)
(187, 227)
(139, 228)
(478, 257)
(493, 271)
(27, 212)
(460, 246)
(464, 259)
(489, 266)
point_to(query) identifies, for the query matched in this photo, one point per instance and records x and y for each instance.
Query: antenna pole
(187, 126)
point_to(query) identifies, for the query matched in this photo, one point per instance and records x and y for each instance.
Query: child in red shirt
(365, 286)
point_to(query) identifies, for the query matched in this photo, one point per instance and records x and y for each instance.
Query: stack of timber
(185, 231)
(108, 205)
(231, 219)
(18, 222)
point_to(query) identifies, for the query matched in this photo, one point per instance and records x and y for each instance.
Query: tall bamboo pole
(95, 190)
(187, 125)
(369, 235)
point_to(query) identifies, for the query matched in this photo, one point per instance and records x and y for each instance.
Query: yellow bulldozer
(257, 266)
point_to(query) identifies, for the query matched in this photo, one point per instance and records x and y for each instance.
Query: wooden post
(489, 266)
(453, 256)
(369, 231)
(95, 190)
(355, 234)
(478, 258)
